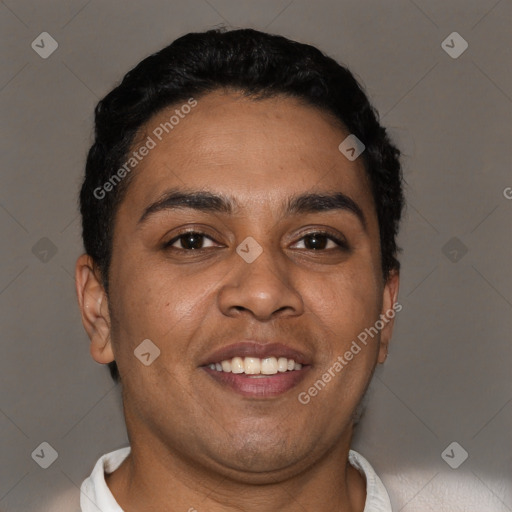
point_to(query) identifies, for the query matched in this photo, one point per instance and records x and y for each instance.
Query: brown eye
(318, 241)
(189, 241)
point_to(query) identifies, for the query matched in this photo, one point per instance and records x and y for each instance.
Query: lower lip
(259, 387)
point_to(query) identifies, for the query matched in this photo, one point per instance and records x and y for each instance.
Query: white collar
(95, 496)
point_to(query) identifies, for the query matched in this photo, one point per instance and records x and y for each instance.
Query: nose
(262, 288)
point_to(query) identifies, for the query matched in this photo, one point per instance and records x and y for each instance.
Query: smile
(256, 366)
(257, 378)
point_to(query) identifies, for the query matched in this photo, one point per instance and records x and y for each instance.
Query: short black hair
(259, 65)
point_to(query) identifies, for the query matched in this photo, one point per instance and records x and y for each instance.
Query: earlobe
(93, 304)
(390, 308)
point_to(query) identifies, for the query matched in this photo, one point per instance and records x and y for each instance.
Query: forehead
(260, 151)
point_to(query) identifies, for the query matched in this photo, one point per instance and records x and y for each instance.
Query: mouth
(258, 377)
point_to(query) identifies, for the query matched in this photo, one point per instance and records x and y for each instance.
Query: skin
(194, 443)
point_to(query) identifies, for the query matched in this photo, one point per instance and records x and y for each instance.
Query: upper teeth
(255, 365)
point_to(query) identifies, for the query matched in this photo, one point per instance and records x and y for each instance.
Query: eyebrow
(208, 202)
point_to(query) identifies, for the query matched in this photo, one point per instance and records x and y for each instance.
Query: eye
(318, 240)
(189, 241)
(315, 241)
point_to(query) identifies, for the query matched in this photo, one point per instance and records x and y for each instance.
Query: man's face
(303, 291)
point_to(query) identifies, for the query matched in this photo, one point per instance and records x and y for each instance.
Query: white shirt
(95, 496)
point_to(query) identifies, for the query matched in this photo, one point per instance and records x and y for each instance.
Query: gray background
(448, 374)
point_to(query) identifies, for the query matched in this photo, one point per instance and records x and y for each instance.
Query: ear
(390, 307)
(93, 303)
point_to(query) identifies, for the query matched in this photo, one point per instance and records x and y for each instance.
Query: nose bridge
(261, 260)
(261, 269)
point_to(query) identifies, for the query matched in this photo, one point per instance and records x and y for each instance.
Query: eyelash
(342, 245)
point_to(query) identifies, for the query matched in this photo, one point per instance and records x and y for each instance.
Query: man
(240, 208)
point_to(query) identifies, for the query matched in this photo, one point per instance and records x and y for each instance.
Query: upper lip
(255, 349)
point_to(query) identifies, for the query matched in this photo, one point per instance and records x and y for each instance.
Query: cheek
(346, 302)
(344, 307)
(156, 304)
